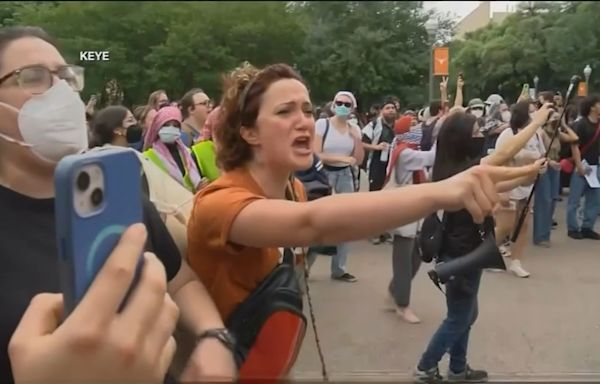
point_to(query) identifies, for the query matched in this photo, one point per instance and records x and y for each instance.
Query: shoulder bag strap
(292, 196)
(587, 146)
(325, 133)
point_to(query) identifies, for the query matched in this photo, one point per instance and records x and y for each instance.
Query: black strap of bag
(311, 310)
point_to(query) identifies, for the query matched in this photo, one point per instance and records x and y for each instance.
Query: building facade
(479, 18)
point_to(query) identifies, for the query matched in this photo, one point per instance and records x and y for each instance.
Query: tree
(372, 48)
(551, 40)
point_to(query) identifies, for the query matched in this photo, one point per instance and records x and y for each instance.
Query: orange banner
(582, 89)
(441, 58)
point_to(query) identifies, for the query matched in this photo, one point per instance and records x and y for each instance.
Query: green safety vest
(155, 158)
(206, 157)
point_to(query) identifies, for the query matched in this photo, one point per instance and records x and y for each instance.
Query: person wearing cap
(377, 138)
(476, 107)
(338, 144)
(407, 165)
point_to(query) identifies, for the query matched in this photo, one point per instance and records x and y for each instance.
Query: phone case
(84, 243)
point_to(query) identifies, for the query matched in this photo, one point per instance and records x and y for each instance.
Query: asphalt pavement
(543, 328)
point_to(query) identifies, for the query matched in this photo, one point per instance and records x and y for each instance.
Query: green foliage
(551, 40)
(372, 48)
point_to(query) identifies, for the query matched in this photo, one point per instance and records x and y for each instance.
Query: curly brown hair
(243, 89)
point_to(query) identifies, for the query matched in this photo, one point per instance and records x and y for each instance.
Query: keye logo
(94, 56)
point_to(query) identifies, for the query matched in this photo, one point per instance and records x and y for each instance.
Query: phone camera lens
(97, 197)
(83, 181)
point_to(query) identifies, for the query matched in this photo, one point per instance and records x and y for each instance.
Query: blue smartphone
(98, 196)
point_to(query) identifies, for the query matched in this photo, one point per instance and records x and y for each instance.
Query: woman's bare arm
(354, 216)
(513, 145)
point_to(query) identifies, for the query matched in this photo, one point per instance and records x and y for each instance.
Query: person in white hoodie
(408, 164)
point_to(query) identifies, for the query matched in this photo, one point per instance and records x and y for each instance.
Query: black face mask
(134, 134)
(475, 147)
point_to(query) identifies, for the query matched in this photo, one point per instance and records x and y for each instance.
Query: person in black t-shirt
(42, 119)
(460, 146)
(377, 139)
(378, 136)
(585, 155)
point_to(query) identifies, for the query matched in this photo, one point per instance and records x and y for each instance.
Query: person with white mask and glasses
(42, 119)
(338, 144)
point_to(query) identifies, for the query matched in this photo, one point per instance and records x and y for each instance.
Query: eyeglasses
(37, 79)
(205, 103)
(340, 103)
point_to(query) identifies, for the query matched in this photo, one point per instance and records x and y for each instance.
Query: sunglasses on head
(345, 104)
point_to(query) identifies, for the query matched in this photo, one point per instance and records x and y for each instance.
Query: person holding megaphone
(460, 146)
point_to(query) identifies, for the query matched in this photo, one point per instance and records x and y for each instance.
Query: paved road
(545, 327)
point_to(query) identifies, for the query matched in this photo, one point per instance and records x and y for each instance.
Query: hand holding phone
(98, 195)
(95, 344)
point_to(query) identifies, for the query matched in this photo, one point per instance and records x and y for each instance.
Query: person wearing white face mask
(164, 147)
(42, 119)
(338, 144)
(476, 108)
(497, 118)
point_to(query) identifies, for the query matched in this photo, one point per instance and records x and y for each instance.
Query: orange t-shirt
(229, 271)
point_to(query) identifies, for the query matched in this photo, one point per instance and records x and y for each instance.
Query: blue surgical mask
(342, 111)
(169, 134)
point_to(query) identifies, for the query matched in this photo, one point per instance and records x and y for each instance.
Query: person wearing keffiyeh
(408, 164)
(163, 146)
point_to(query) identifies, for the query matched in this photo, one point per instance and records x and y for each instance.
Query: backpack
(429, 240)
(315, 181)
(427, 138)
(316, 185)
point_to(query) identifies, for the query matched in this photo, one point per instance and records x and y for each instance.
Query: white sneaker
(517, 269)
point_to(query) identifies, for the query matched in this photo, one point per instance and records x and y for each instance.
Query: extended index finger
(498, 174)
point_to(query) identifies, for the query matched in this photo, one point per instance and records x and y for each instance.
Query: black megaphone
(486, 255)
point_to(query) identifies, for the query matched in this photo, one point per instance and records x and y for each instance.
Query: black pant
(377, 176)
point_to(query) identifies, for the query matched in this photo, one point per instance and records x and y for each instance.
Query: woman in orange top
(266, 132)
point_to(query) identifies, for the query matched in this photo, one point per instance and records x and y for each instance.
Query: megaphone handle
(436, 281)
(437, 284)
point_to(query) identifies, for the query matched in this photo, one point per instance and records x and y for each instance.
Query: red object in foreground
(275, 350)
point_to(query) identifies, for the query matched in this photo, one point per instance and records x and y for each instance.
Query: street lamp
(536, 81)
(587, 72)
(431, 26)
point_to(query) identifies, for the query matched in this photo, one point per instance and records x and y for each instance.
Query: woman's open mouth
(302, 145)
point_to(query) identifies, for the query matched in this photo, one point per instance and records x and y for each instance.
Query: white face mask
(169, 134)
(52, 124)
(477, 113)
(506, 116)
(353, 121)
